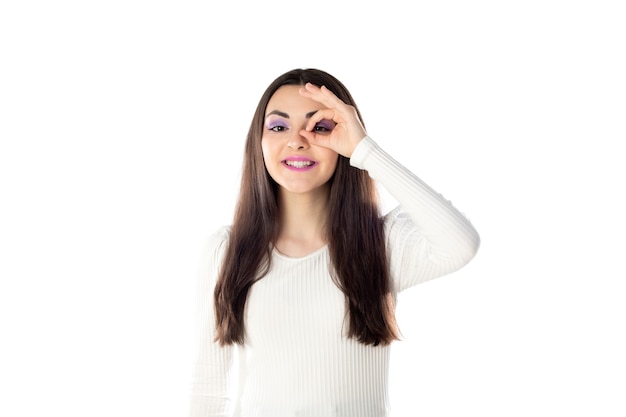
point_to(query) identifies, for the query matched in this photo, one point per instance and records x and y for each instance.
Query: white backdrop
(122, 126)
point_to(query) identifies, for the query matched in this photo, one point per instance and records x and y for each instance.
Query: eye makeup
(325, 124)
(275, 122)
(280, 121)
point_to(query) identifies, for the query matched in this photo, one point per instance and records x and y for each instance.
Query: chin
(304, 189)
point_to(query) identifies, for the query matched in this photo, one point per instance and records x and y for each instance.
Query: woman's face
(296, 165)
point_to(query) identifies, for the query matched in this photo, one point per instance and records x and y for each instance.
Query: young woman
(302, 285)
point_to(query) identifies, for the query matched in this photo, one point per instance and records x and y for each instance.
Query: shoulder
(209, 263)
(401, 232)
(214, 246)
(397, 220)
(218, 238)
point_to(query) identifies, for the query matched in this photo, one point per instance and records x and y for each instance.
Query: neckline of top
(299, 258)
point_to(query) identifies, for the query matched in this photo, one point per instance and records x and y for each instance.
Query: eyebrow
(286, 116)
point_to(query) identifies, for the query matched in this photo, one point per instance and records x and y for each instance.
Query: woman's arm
(435, 238)
(427, 236)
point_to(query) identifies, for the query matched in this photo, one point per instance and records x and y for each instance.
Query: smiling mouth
(299, 164)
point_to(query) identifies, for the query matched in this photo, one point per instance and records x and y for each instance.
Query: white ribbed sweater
(297, 360)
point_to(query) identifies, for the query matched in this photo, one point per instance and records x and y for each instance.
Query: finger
(322, 95)
(318, 116)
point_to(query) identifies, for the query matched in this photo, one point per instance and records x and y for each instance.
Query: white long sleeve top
(296, 360)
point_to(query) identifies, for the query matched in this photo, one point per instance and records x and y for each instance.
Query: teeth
(299, 164)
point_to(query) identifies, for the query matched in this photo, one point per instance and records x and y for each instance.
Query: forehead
(288, 99)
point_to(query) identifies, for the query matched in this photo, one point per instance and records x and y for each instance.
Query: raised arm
(427, 236)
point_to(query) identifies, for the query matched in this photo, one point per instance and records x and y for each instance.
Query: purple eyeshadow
(270, 124)
(326, 124)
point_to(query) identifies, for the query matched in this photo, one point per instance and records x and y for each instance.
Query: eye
(277, 128)
(276, 125)
(324, 126)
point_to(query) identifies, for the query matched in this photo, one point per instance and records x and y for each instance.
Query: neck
(302, 222)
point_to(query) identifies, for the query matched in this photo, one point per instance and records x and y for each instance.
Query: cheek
(267, 152)
(265, 149)
(333, 159)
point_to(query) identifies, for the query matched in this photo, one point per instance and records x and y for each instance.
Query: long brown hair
(354, 232)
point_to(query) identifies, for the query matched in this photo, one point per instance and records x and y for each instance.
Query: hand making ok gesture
(348, 130)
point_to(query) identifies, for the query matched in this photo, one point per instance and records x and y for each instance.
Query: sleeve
(426, 236)
(212, 363)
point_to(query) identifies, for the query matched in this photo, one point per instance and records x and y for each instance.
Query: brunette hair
(354, 232)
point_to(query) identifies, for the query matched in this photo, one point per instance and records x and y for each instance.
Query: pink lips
(298, 163)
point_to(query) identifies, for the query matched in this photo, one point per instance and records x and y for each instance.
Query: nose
(298, 142)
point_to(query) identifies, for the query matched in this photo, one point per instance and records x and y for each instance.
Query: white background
(122, 126)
